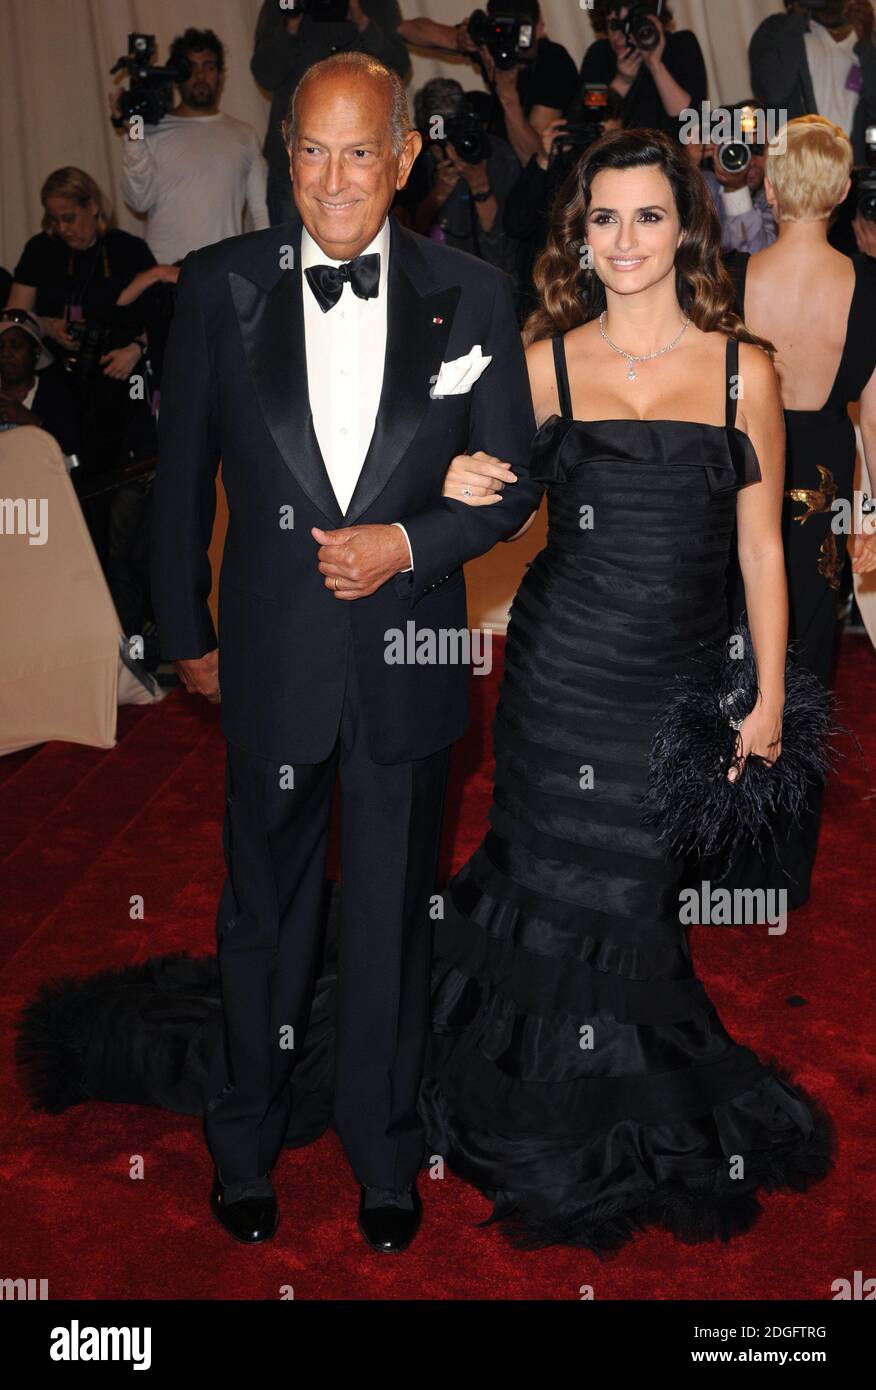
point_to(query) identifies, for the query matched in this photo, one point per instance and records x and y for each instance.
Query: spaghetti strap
(563, 392)
(732, 374)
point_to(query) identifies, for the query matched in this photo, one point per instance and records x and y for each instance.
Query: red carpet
(83, 830)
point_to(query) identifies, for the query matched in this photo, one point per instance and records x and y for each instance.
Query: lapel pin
(437, 318)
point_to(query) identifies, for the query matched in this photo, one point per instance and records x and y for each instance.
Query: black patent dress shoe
(247, 1210)
(389, 1221)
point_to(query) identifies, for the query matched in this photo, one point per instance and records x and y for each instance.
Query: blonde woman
(75, 269)
(79, 276)
(819, 308)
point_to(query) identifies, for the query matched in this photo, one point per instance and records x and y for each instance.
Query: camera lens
(733, 158)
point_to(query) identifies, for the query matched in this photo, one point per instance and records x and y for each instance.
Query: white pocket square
(460, 375)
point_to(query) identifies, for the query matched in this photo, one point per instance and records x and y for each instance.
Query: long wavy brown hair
(570, 295)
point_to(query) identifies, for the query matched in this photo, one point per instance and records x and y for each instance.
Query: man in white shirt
(344, 401)
(338, 364)
(194, 173)
(819, 61)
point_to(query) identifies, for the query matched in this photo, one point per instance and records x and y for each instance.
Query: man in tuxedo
(337, 364)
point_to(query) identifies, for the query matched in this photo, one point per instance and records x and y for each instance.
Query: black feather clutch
(698, 811)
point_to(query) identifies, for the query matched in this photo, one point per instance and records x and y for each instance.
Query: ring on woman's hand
(466, 492)
(337, 577)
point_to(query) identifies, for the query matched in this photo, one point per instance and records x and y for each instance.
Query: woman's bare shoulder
(760, 397)
(755, 362)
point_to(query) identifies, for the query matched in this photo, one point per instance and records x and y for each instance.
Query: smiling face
(633, 228)
(344, 170)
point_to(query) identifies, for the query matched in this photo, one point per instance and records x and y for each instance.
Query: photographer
(563, 143)
(459, 182)
(655, 82)
(73, 276)
(530, 94)
(819, 58)
(288, 43)
(734, 172)
(194, 171)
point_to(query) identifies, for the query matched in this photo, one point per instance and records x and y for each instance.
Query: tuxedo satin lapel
(418, 324)
(272, 328)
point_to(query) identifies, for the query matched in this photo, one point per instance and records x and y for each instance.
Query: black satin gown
(580, 1077)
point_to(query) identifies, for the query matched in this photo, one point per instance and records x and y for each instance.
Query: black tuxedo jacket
(235, 387)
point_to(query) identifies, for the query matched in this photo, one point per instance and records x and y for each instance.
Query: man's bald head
(348, 68)
(351, 146)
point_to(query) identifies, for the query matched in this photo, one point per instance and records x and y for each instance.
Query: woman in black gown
(819, 307)
(580, 1076)
(578, 1073)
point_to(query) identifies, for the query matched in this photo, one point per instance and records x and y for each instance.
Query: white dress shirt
(829, 66)
(345, 348)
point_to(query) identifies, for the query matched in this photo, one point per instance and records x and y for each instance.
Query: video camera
(508, 38)
(149, 94)
(637, 26)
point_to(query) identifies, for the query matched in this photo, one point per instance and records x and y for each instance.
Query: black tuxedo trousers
(276, 835)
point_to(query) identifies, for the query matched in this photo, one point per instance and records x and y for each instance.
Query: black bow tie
(327, 281)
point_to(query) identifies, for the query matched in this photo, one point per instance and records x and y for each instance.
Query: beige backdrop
(56, 56)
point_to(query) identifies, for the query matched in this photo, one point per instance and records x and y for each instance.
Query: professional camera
(467, 134)
(325, 11)
(583, 128)
(864, 184)
(734, 156)
(149, 94)
(509, 39)
(864, 180)
(93, 342)
(637, 26)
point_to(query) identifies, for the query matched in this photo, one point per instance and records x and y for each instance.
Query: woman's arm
(145, 279)
(24, 297)
(684, 75)
(761, 553)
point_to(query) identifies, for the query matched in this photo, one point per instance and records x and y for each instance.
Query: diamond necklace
(631, 357)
